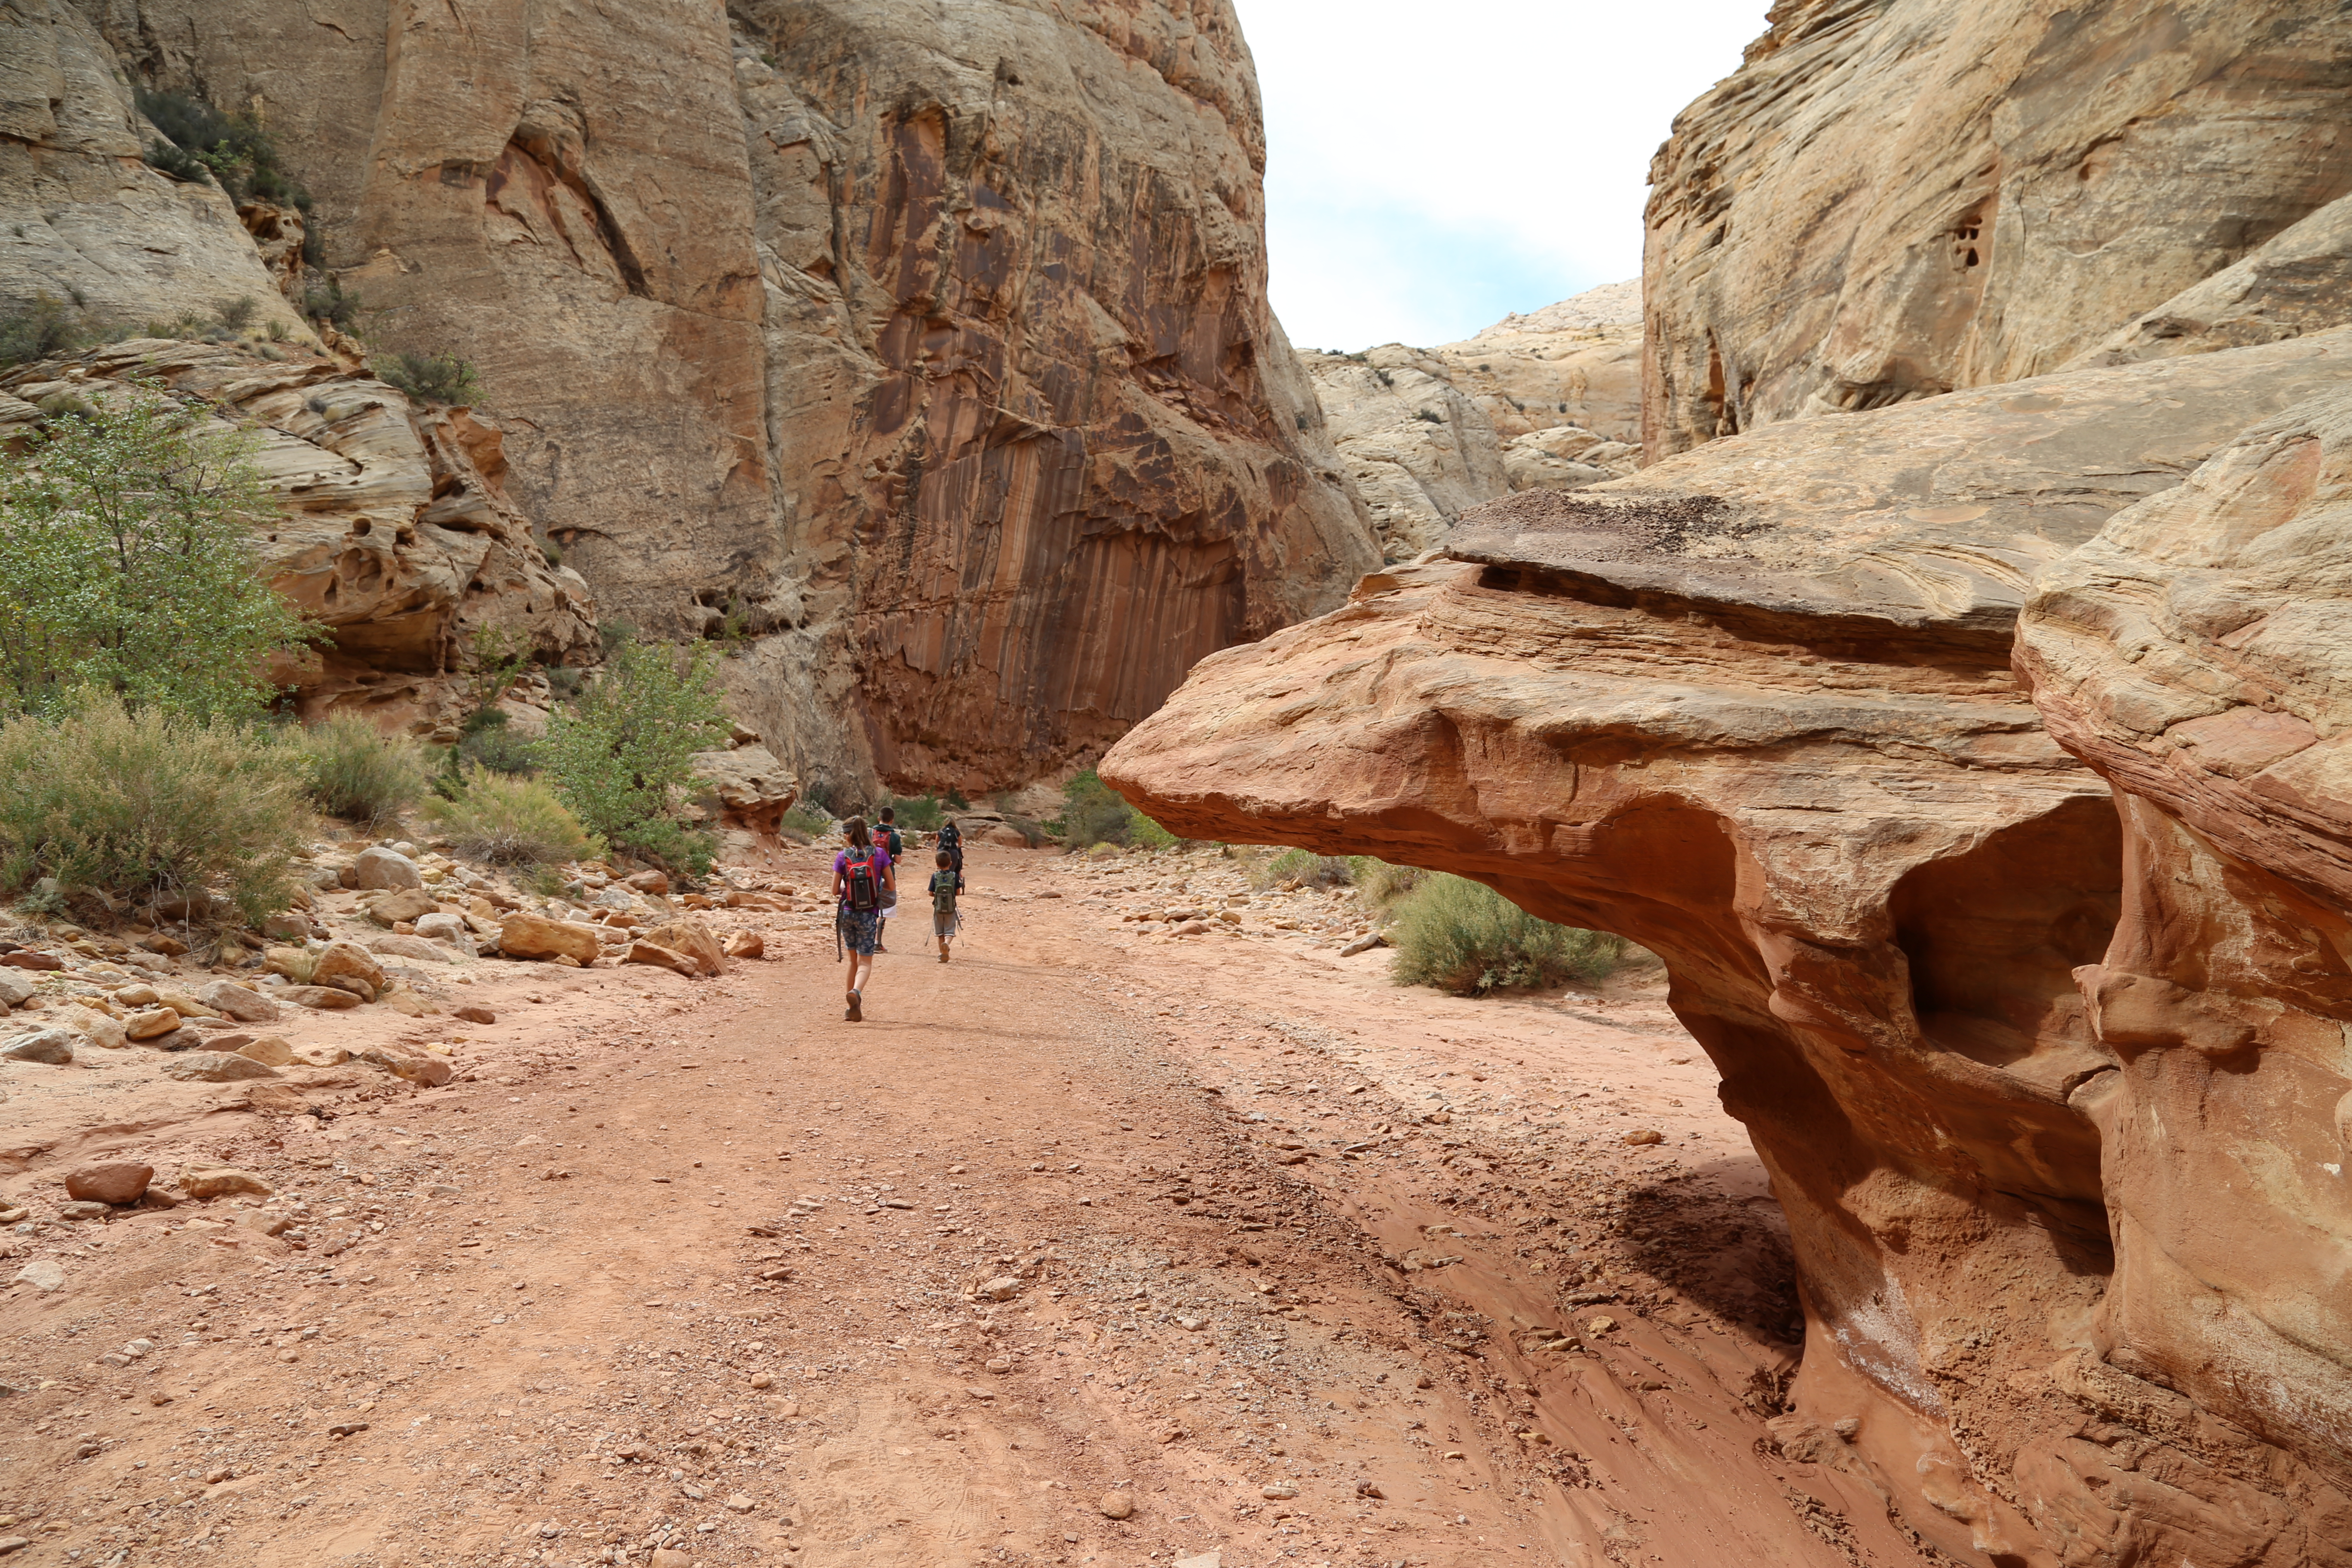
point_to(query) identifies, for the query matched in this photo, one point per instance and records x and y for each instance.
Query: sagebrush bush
(44, 326)
(1463, 937)
(805, 823)
(511, 821)
(429, 378)
(1093, 813)
(133, 804)
(360, 774)
(501, 748)
(1381, 883)
(921, 811)
(622, 756)
(1303, 866)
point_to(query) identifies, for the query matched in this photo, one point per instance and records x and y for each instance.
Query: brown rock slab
(526, 935)
(662, 958)
(215, 1067)
(150, 1023)
(223, 1181)
(109, 1182)
(269, 1050)
(474, 1013)
(242, 1003)
(745, 944)
(323, 998)
(31, 958)
(693, 938)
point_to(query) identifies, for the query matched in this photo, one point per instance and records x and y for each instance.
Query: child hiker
(946, 883)
(862, 875)
(886, 838)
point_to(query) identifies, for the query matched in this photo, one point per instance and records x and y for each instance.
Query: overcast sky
(1433, 166)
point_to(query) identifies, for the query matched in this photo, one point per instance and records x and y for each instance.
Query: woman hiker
(862, 876)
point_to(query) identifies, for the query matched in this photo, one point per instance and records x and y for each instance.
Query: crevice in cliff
(530, 167)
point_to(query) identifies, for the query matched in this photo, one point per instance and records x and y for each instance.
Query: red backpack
(862, 888)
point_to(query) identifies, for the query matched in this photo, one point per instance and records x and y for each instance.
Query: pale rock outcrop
(1894, 198)
(1546, 401)
(2300, 280)
(744, 789)
(927, 349)
(394, 532)
(1754, 710)
(82, 217)
(2196, 653)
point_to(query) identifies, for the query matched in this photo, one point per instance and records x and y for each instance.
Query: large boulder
(109, 1182)
(52, 1047)
(1754, 710)
(382, 867)
(526, 935)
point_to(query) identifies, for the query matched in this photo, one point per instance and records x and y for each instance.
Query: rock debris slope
(927, 350)
(1754, 710)
(1894, 198)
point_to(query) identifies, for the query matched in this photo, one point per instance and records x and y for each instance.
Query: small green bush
(622, 756)
(1093, 813)
(177, 163)
(429, 378)
(238, 314)
(922, 812)
(1303, 866)
(500, 748)
(1381, 883)
(44, 326)
(808, 823)
(360, 774)
(135, 805)
(202, 142)
(510, 821)
(326, 301)
(1466, 938)
(127, 561)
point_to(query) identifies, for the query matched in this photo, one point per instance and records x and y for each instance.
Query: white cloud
(1433, 166)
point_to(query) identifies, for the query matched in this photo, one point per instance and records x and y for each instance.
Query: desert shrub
(1093, 813)
(1303, 866)
(201, 141)
(1381, 883)
(126, 561)
(360, 774)
(429, 378)
(510, 821)
(498, 746)
(807, 824)
(133, 803)
(45, 326)
(325, 301)
(621, 756)
(1466, 938)
(922, 812)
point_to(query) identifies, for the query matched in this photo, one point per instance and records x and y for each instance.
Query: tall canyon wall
(921, 352)
(1894, 198)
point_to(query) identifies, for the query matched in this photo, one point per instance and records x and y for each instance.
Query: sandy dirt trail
(1088, 1247)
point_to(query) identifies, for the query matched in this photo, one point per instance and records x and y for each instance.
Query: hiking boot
(856, 1014)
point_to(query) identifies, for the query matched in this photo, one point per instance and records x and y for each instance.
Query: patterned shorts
(860, 930)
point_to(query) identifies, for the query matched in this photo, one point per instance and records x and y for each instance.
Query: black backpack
(950, 839)
(862, 888)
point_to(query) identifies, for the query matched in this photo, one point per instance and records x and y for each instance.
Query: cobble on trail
(1099, 1245)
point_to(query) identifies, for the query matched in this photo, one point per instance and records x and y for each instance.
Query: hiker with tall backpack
(863, 876)
(952, 845)
(946, 883)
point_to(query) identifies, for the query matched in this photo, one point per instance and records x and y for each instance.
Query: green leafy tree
(126, 561)
(621, 759)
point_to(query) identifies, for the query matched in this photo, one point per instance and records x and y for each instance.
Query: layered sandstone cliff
(1754, 708)
(1893, 198)
(394, 532)
(1550, 400)
(929, 351)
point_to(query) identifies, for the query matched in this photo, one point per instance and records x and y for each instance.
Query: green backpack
(943, 894)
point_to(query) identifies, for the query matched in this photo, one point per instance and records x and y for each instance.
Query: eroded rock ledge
(1755, 710)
